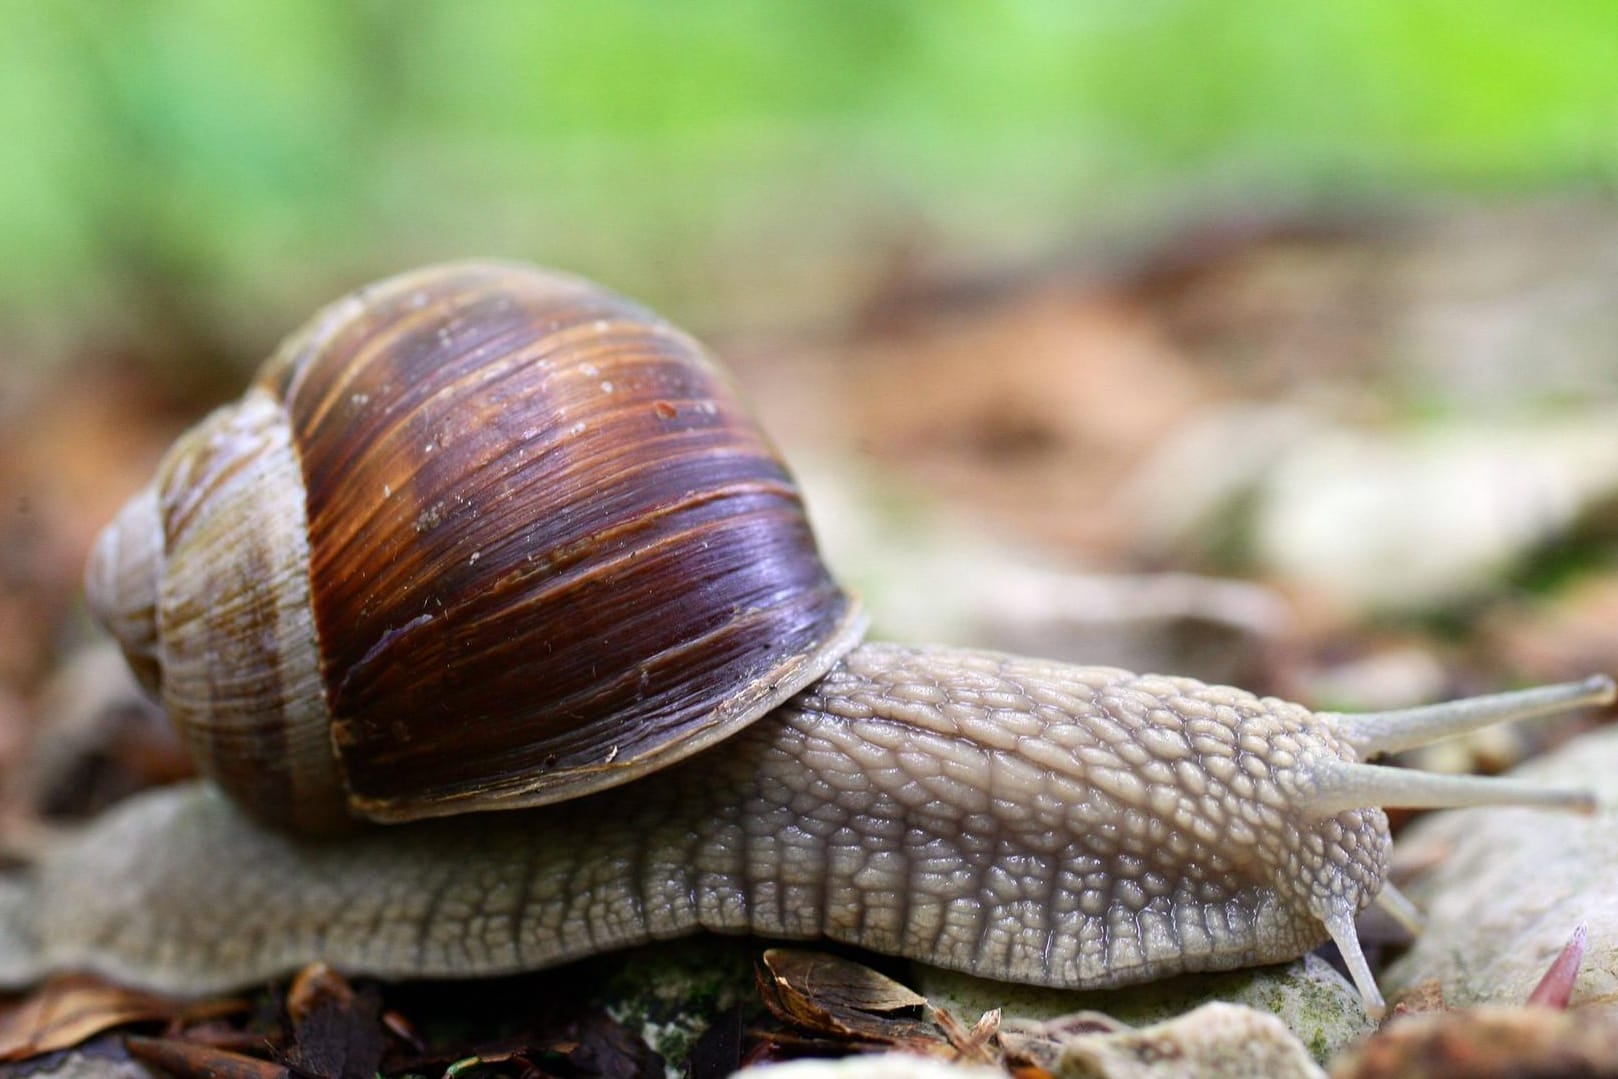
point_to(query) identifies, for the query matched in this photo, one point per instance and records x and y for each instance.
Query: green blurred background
(1363, 216)
(196, 175)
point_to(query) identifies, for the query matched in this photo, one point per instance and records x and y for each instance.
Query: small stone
(1212, 1042)
(1504, 889)
(1308, 996)
(1486, 1043)
(881, 1066)
(1470, 501)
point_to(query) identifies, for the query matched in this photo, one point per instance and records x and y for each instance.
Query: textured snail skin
(1025, 821)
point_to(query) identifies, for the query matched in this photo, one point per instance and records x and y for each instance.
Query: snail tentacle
(1339, 921)
(1374, 733)
(1330, 786)
(1398, 906)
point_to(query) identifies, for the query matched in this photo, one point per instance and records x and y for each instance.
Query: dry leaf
(192, 1060)
(838, 998)
(69, 1010)
(336, 1030)
(815, 981)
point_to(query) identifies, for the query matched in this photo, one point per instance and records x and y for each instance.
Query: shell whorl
(120, 583)
(514, 536)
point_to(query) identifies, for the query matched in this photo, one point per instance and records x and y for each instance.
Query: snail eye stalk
(1331, 786)
(1373, 733)
(1328, 786)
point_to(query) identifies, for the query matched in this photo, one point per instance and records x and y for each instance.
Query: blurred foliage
(245, 161)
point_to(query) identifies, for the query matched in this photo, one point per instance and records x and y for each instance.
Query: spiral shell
(478, 536)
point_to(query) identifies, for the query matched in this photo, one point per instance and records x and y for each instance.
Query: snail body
(1018, 819)
(1003, 816)
(1037, 822)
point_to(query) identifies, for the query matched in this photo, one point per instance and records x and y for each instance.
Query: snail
(487, 537)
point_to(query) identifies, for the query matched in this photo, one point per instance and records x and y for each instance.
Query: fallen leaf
(192, 1060)
(974, 1045)
(594, 1046)
(826, 981)
(825, 995)
(337, 1031)
(1487, 1043)
(71, 1009)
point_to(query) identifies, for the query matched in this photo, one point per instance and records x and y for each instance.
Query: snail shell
(479, 536)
